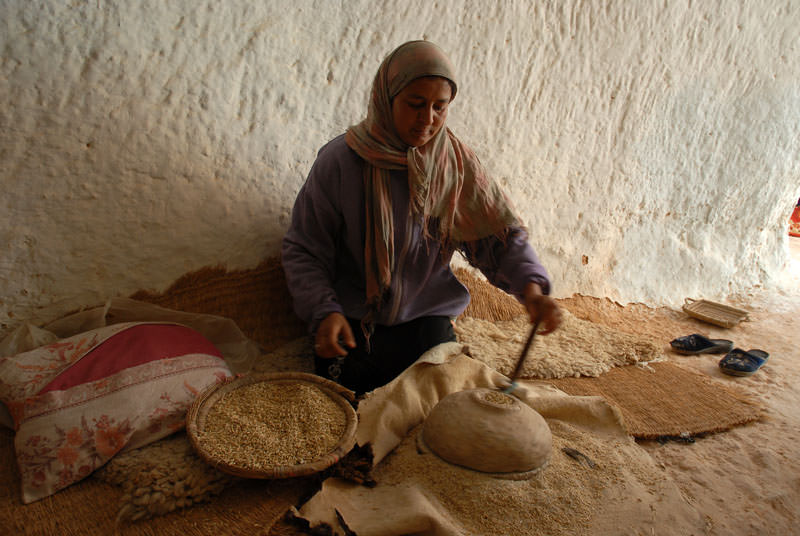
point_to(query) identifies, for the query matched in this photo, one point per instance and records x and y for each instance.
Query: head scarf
(449, 188)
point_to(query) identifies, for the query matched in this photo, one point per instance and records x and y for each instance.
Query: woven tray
(196, 419)
(714, 313)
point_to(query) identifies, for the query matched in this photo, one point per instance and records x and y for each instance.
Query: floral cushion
(79, 401)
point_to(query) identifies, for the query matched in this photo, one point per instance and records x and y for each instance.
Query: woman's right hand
(541, 308)
(333, 332)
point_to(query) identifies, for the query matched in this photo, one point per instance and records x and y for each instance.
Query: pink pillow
(81, 400)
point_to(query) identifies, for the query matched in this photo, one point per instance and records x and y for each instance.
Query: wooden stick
(524, 354)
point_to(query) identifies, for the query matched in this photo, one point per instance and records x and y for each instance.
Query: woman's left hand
(541, 308)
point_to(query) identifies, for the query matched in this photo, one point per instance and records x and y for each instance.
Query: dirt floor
(744, 481)
(747, 480)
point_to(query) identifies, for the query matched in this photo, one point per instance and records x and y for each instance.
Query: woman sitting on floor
(374, 227)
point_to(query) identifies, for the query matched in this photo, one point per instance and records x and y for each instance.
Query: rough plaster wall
(652, 147)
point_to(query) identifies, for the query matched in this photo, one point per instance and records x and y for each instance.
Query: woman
(375, 225)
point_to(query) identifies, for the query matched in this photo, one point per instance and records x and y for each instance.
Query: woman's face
(419, 110)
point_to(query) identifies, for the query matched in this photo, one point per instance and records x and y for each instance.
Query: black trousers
(392, 350)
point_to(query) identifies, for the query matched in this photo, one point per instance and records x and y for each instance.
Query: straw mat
(487, 302)
(664, 399)
(89, 508)
(257, 299)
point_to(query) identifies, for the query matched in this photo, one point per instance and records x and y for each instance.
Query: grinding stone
(468, 428)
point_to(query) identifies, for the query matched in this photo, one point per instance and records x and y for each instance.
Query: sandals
(698, 344)
(741, 363)
(737, 362)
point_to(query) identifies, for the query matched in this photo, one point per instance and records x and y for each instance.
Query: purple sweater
(323, 251)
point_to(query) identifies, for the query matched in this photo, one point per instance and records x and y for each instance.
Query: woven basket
(714, 313)
(196, 418)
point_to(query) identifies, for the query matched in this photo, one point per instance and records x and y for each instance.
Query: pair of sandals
(736, 362)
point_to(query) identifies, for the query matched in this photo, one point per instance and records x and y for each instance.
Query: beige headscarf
(449, 187)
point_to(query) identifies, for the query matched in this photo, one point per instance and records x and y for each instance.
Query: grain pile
(496, 397)
(271, 424)
(622, 491)
(559, 500)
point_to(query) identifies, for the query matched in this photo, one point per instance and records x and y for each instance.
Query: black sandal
(698, 344)
(741, 363)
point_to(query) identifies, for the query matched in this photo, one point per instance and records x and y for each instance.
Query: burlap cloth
(418, 493)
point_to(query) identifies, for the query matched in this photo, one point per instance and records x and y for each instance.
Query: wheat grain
(266, 425)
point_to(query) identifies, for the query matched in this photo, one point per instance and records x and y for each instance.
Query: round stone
(489, 431)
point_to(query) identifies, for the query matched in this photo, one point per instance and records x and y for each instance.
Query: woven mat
(664, 399)
(89, 508)
(487, 302)
(256, 299)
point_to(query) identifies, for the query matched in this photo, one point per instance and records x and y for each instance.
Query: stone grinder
(489, 430)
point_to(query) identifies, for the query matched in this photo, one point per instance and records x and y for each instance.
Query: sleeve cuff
(321, 312)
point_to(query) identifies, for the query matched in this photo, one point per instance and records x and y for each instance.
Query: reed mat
(89, 508)
(257, 299)
(666, 400)
(486, 301)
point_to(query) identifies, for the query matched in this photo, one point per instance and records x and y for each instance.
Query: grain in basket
(270, 424)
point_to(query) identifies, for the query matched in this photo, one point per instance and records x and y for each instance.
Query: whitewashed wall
(651, 146)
